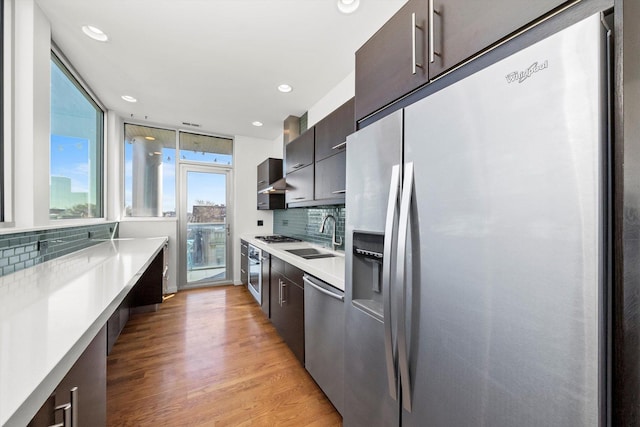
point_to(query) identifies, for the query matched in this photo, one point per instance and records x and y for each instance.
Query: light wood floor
(209, 357)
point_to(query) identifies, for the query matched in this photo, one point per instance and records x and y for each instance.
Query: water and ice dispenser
(367, 272)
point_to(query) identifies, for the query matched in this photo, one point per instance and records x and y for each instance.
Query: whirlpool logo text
(520, 76)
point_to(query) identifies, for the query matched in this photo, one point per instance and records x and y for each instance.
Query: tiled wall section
(304, 223)
(22, 250)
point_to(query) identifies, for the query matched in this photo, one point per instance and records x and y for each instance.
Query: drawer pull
(298, 165)
(339, 146)
(339, 192)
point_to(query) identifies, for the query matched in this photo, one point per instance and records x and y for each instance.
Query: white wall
(341, 93)
(30, 130)
(249, 153)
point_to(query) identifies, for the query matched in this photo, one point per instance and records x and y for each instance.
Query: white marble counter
(50, 313)
(330, 270)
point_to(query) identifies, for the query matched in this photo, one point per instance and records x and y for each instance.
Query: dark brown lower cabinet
(287, 305)
(87, 379)
(244, 262)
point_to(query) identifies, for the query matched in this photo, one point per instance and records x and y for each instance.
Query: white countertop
(49, 314)
(330, 270)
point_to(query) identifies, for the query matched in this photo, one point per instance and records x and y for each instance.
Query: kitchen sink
(310, 253)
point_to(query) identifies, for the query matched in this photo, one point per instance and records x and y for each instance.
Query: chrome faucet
(334, 243)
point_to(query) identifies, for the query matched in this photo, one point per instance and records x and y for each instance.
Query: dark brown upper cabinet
(270, 177)
(462, 28)
(330, 179)
(269, 172)
(426, 38)
(300, 152)
(393, 61)
(332, 131)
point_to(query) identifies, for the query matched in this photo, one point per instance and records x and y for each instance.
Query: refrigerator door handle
(403, 230)
(389, 348)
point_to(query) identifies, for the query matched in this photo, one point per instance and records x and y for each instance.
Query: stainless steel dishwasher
(324, 337)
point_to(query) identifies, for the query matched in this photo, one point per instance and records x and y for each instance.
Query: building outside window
(76, 156)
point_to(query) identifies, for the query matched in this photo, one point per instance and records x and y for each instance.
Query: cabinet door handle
(297, 165)
(432, 49)
(241, 254)
(69, 410)
(262, 182)
(339, 192)
(165, 271)
(280, 292)
(298, 198)
(242, 271)
(66, 415)
(284, 289)
(262, 203)
(414, 26)
(339, 146)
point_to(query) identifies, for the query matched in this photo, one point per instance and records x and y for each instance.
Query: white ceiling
(214, 62)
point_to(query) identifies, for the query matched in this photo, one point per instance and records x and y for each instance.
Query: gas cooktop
(277, 238)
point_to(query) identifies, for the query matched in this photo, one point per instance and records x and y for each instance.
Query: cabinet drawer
(300, 152)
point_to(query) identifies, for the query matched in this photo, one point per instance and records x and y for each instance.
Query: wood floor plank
(209, 357)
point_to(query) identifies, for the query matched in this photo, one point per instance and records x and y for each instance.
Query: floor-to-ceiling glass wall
(205, 229)
(171, 173)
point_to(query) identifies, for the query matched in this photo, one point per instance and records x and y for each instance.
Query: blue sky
(70, 158)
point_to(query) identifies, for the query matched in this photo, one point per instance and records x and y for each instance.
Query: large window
(77, 124)
(150, 159)
(150, 171)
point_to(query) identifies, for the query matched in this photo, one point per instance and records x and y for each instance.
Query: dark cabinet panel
(287, 305)
(148, 289)
(270, 201)
(330, 180)
(244, 262)
(299, 153)
(300, 185)
(332, 131)
(407, 52)
(463, 28)
(88, 380)
(269, 172)
(292, 329)
(385, 63)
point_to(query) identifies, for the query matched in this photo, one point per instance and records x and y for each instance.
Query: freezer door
(506, 232)
(372, 153)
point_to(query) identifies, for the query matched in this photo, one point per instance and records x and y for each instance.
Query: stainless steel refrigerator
(476, 247)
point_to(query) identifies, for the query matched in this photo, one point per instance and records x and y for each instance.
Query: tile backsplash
(26, 249)
(304, 223)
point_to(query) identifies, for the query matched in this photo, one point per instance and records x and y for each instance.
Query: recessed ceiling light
(95, 33)
(257, 123)
(149, 138)
(129, 98)
(348, 6)
(285, 88)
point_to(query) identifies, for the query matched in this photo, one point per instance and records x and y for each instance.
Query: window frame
(101, 153)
